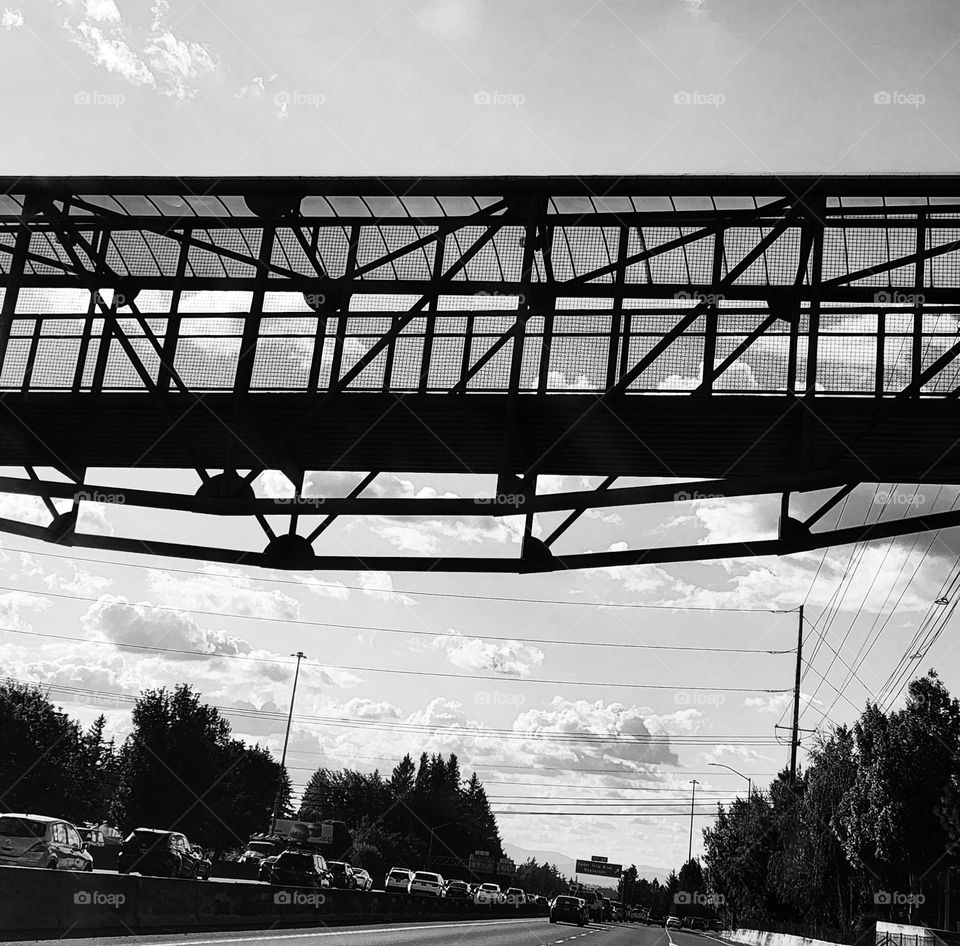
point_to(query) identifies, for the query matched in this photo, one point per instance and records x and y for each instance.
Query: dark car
(341, 875)
(297, 869)
(569, 910)
(161, 854)
(457, 890)
(698, 923)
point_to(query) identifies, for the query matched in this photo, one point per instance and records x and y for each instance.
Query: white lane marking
(257, 936)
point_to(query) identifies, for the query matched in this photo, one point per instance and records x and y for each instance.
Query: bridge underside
(737, 336)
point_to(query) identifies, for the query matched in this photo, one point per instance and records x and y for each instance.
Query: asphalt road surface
(527, 932)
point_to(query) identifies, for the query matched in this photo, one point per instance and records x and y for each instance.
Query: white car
(364, 880)
(426, 884)
(398, 880)
(488, 894)
(515, 897)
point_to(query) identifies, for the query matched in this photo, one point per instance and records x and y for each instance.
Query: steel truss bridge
(740, 335)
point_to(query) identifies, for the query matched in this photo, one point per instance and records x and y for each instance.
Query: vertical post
(795, 738)
(283, 758)
(693, 799)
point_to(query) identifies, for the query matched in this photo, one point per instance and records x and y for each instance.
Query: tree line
(867, 831)
(179, 769)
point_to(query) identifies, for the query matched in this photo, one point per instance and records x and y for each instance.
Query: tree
(45, 765)
(180, 770)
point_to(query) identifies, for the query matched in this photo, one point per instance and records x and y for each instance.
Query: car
(259, 850)
(514, 897)
(655, 919)
(458, 890)
(160, 853)
(203, 868)
(293, 868)
(398, 880)
(672, 923)
(714, 926)
(616, 910)
(488, 894)
(594, 904)
(342, 875)
(569, 909)
(28, 840)
(363, 879)
(698, 923)
(425, 883)
(543, 902)
(607, 908)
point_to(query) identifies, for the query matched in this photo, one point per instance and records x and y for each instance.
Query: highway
(526, 932)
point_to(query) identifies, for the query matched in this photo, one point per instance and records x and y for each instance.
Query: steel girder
(772, 334)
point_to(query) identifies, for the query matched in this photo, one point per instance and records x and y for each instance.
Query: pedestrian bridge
(763, 334)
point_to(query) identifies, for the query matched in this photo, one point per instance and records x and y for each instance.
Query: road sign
(599, 868)
(598, 859)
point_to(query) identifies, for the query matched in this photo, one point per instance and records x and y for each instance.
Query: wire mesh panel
(345, 265)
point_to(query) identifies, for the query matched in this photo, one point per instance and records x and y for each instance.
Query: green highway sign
(599, 868)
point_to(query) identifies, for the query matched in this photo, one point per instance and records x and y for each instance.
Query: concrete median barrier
(51, 904)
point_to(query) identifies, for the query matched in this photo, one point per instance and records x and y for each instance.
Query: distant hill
(565, 863)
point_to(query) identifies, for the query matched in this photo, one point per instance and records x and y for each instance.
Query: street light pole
(286, 739)
(735, 772)
(693, 799)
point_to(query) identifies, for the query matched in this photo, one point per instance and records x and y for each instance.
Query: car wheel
(552, 920)
(52, 865)
(88, 868)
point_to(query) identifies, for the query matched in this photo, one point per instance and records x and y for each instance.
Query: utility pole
(693, 799)
(795, 737)
(283, 758)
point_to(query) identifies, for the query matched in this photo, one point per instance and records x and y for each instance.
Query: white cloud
(115, 619)
(157, 59)
(78, 581)
(510, 658)
(227, 590)
(11, 19)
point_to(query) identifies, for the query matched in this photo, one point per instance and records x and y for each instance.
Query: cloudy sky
(475, 664)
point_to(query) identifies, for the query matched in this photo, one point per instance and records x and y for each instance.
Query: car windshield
(399, 874)
(422, 875)
(260, 847)
(21, 828)
(147, 837)
(292, 859)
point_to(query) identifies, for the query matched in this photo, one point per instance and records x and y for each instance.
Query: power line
(386, 630)
(403, 592)
(397, 726)
(433, 673)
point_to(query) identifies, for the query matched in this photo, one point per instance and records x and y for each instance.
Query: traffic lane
(687, 938)
(527, 932)
(216, 880)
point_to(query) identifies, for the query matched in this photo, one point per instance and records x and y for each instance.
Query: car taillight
(34, 849)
